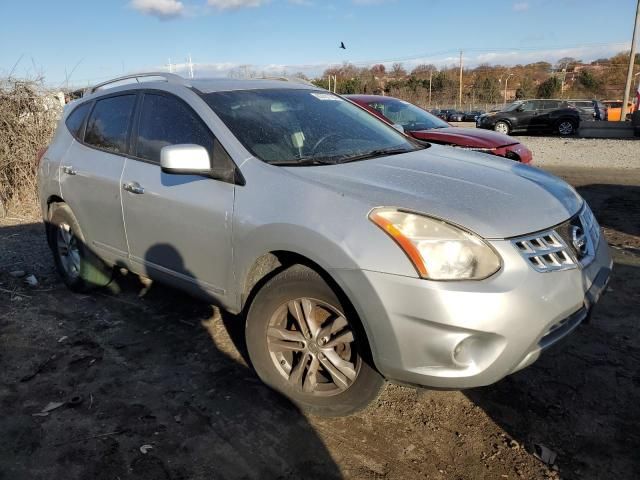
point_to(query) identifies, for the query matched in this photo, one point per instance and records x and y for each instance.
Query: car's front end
(466, 333)
(492, 143)
(501, 262)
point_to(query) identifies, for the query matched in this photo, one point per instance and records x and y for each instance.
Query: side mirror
(190, 159)
(398, 127)
(185, 159)
(520, 108)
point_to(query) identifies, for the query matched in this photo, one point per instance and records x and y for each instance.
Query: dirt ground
(162, 389)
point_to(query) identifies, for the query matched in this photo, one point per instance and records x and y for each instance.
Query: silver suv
(354, 253)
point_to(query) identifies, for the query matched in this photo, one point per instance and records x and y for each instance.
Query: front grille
(569, 245)
(545, 252)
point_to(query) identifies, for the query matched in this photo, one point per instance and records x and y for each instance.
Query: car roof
(210, 85)
(204, 85)
(369, 98)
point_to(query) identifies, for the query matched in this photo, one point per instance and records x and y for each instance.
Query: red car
(424, 126)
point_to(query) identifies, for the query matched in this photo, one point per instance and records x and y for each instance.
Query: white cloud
(235, 4)
(520, 6)
(159, 8)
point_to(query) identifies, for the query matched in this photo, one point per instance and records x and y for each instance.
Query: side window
(551, 104)
(530, 106)
(108, 123)
(166, 120)
(75, 120)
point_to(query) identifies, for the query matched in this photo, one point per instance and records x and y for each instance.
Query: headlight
(438, 250)
(477, 149)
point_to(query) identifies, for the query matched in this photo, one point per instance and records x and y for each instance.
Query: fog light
(465, 351)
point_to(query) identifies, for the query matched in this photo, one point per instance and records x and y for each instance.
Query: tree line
(485, 85)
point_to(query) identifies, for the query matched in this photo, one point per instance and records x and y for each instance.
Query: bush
(28, 115)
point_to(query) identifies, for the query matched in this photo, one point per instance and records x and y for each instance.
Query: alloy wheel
(502, 127)
(565, 128)
(313, 347)
(68, 249)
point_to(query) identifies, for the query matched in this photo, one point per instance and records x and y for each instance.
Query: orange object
(614, 109)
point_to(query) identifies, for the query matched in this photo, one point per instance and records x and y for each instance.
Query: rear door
(91, 170)
(178, 226)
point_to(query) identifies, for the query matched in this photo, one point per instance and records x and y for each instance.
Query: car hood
(467, 137)
(493, 197)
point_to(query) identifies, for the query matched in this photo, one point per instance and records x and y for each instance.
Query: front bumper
(517, 152)
(468, 334)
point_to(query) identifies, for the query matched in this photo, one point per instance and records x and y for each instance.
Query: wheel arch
(272, 263)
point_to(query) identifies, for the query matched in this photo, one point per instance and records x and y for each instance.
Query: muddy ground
(163, 371)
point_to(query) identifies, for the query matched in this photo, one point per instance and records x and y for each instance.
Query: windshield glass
(511, 107)
(305, 127)
(403, 113)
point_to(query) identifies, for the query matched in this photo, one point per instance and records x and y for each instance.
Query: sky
(80, 42)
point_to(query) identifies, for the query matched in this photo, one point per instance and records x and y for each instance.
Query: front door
(91, 170)
(178, 226)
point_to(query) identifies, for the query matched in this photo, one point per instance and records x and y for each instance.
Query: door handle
(69, 170)
(133, 187)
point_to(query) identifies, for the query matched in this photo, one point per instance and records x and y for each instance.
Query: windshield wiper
(305, 161)
(382, 152)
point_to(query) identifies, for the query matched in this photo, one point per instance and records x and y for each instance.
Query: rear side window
(75, 120)
(108, 123)
(164, 121)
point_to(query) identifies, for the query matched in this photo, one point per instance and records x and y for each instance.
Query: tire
(566, 127)
(285, 348)
(502, 127)
(80, 269)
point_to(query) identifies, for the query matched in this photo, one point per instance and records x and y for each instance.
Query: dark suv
(544, 115)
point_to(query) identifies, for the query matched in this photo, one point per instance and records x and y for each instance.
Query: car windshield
(305, 127)
(403, 113)
(511, 107)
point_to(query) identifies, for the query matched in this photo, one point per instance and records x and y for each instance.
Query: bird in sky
(342, 46)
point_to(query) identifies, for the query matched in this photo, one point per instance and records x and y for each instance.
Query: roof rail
(169, 77)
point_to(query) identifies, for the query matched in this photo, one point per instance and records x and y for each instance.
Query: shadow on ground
(580, 399)
(146, 374)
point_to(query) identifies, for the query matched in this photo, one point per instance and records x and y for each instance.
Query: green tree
(588, 80)
(550, 88)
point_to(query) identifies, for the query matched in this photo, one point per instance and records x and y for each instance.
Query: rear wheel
(303, 343)
(566, 127)
(79, 268)
(502, 127)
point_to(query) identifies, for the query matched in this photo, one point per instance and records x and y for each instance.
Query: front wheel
(502, 127)
(566, 127)
(304, 344)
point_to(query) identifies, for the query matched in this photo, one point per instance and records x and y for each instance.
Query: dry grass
(28, 115)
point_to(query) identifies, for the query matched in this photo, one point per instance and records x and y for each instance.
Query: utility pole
(430, 78)
(460, 92)
(506, 81)
(329, 82)
(190, 65)
(170, 66)
(335, 83)
(632, 60)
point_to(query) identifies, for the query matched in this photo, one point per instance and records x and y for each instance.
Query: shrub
(28, 115)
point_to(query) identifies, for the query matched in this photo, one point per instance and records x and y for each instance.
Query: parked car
(352, 253)
(614, 109)
(444, 114)
(455, 116)
(592, 109)
(551, 116)
(422, 125)
(472, 115)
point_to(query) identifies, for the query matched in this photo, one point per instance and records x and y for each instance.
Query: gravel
(583, 152)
